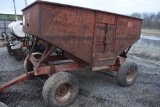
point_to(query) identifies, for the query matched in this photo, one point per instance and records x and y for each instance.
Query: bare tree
(150, 20)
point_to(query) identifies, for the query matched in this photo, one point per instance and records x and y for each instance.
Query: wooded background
(150, 20)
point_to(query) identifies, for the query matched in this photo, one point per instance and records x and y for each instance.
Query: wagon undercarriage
(37, 63)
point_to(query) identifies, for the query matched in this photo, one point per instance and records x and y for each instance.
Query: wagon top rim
(61, 4)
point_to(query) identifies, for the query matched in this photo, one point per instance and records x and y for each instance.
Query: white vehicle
(16, 42)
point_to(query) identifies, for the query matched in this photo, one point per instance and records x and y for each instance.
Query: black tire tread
(121, 77)
(28, 66)
(52, 80)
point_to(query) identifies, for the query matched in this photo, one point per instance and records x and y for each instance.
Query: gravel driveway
(97, 89)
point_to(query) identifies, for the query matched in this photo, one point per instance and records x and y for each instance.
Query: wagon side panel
(127, 33)
(31, 20)
(70, 29)
(104, 35)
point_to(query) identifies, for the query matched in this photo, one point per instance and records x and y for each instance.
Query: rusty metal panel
(103, 59)
(104, 40)
(103, 17)
(31, 20)
(127, 32)
(70, 29)
(100, 30)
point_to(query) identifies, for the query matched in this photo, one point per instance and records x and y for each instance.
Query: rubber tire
(9, 49)
(123, 71)
(3, 105)
(36, 53)
(18, 56)
(52, 85)
(28, 66)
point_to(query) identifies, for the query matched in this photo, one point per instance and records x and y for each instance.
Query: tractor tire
(3, 105)
(127, 73)
(60, 90)
(28, 66)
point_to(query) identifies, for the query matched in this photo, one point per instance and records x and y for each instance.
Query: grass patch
(150, 32)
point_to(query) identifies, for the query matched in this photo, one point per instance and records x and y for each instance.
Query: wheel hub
(131, 74)
(64, 92)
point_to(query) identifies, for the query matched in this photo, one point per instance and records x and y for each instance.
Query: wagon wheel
(28, 66)
(18, 54)
(36, 55)
(127, 73)
(9, 49)
(3, 105)
(60, 89)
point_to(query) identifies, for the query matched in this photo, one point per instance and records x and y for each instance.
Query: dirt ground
(97, 89)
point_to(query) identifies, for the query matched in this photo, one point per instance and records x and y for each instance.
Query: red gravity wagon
(92, 39)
